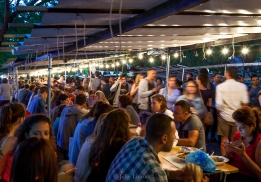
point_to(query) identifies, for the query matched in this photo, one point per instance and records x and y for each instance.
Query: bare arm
(134, 90)
(209, 104)
(191, 140)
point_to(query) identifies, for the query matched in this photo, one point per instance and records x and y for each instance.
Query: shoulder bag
(208, 119)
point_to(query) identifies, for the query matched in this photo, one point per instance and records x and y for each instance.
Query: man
(106, 88)
(173, 92)
(120, 87)
(61, 80)
(22, 93)
(70, 117)
(240, 79)
(80, 90)
(138, 159)
(28, 95)
(189, 77)
(191, 131)
(95, 83)
(216, 81)
(254, 90)
(38, 105)
(147, 88)
(230, 96)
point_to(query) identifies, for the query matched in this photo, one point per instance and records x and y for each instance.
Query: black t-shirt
(124, 89)
(206, 94)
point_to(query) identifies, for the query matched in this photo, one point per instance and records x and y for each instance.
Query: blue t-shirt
(37, 105)
(89, 128)
(254, 92)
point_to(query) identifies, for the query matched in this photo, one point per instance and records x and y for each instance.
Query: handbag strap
(201, 98)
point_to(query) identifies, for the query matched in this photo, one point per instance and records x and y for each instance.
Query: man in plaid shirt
(138, 159)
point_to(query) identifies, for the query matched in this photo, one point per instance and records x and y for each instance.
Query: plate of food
(219, 160)
(187, 150)
(181, 156)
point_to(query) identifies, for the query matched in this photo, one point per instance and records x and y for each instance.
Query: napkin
(175, 161)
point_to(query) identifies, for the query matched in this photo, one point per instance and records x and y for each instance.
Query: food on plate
(193, 172)
(217, 159)
(182, 156)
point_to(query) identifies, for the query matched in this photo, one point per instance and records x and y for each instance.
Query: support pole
(17, 86)
(49, 85)
(225, 70)
(183, 71)
(167, 75)
(65, 75)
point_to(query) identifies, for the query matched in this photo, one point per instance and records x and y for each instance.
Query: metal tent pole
(167, 75)
(49, 85)
(183, 71)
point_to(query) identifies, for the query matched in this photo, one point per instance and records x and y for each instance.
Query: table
(227, 168)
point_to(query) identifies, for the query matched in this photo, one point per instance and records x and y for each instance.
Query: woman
(34, 160)
(125, 103)
(99, 96)
(206, 94)
(159, 105)
(134, 90)
(82, 167)
(191, 95)
(245, 150)
(91, 100)
(11, 117)
(173, 92)
(34, 126)
(57, 120)
(55, 96)
(5, 92)
(113, 135)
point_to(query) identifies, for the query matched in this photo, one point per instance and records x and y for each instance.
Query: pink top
(237, 161)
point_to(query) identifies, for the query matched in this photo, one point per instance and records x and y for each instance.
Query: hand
(67, 168)
(205, 179)
(239, 151)
(227, 148)
(154, 90)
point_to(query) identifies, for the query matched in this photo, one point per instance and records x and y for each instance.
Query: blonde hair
(193, 171)
(101, 96)
(137, 79)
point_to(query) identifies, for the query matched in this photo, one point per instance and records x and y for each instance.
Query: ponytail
(8, 116)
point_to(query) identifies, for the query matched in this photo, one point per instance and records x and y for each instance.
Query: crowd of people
(87, 136)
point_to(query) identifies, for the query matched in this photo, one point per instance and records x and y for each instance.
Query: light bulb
(245, 50)
(96, 64)
(113, 65)
(176, 55)
(123, 61)
(140, 56)
(101, 66)
(130, 60)
(117, 64)
(163, 56)
(209, 51)
(224, 51)
(107, 66)
(151, 60)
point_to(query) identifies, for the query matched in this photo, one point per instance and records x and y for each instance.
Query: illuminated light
(101, 66)
(151, 60)
(163, 57)
(224, 51)
(123, 61)
(117, 64)
(209, 51)
(96, 64)
(162, 35)
(68, 68)
(259, 22)
(207, 24)
(113, 65)
(140, 56)
(245, 50)
(150, 41)
(74, 69)
(150, 45)
(107, 66)
(222, 24)
(176, 55)
(130, 60)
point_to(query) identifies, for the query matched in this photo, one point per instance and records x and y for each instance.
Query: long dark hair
(250, 117)
(8, 116)
(34, 160)
(91, 113)
(23, 131)
(115, 128)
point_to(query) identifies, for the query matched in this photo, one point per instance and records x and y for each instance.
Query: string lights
(151, 59)
(176, 55)
(163, 57)
(209, 52)
(224, 51)
(245, 50)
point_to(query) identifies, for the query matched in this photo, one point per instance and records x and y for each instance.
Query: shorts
(226, 128)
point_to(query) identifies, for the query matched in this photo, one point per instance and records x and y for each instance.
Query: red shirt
(237, 161)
